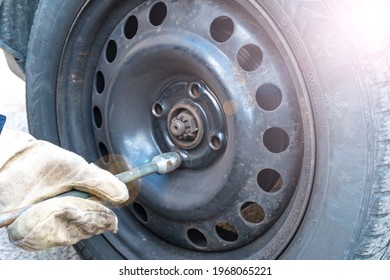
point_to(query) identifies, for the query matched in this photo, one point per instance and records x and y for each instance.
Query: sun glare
(370, 20)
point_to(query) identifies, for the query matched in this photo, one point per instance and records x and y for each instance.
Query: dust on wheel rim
(266, 162)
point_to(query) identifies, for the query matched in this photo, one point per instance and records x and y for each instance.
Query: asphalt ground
(12, 105)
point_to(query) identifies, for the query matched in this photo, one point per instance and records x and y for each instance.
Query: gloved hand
(32, 171)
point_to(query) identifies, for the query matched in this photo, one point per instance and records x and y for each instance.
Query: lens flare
(369, 21)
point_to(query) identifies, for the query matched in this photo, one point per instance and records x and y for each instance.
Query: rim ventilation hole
(221, 29)
(250, 57)
(103, 152)
(158, 13)
(111, 51)
(276, 140)
(140, 212)
(97, 116)
(269, 180)
(131, 27)
(226, 232)
(157, 110)
(99, 82)
(252, 212)
(269, 97)
(197, 237)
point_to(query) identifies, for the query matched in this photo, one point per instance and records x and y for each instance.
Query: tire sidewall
(43, 56)
(343, 179)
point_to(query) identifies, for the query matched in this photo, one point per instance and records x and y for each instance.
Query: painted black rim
(246, 180)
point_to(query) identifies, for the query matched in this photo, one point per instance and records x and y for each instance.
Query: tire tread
(375, 238)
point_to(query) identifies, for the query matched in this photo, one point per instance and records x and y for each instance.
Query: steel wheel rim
(207, 224)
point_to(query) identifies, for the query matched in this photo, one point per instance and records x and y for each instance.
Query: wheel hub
(184, 127)
(190, 120)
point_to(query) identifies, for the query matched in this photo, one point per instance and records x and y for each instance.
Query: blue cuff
(2, 122)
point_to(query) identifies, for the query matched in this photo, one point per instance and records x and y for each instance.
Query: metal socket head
(167, 162)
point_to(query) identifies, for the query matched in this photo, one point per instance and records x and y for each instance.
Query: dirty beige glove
(32, 171)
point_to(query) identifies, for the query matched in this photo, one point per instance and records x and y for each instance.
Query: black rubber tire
(348, 81)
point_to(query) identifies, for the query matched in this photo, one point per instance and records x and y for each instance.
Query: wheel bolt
(177, 127)
(184, 126)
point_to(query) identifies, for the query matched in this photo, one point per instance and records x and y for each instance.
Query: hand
(32, 171)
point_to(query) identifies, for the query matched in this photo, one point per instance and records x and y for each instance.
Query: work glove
(32, 171)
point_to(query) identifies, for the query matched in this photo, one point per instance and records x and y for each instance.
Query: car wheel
(278, 109)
